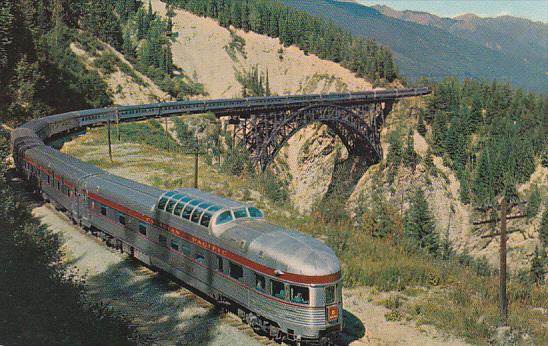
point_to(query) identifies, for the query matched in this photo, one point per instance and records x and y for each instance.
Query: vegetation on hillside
(36, 63)
(42, 299)
(145, 40)
(293, 27)
(490, 134)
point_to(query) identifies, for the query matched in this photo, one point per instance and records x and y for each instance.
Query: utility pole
(109, 141)
(503, 298)
(118, 124)
(167, 134)
(196, 153)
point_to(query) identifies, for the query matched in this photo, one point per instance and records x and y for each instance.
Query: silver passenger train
(283, 283)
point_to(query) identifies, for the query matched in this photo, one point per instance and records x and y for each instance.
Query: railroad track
(27, 197)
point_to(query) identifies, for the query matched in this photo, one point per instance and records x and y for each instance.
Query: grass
(457, 296)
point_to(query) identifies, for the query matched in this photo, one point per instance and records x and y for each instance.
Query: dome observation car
(206, 209)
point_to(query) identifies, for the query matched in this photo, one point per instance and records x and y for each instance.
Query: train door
(83, 210)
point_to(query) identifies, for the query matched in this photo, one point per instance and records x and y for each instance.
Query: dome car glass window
(254, 212)
(225, 217)
(240, 213)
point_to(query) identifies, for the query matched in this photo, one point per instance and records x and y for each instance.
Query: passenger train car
(283, 283)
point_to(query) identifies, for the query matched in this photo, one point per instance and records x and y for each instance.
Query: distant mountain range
(503, 48)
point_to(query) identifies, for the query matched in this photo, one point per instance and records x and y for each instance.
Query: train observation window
(122, 219)
(206, 218)
(260, 282)
(162, 203)
(225, 217)
(329, 295)
(142, 228)
(186, 213)
(170, 205)
(220, 264)
(236, 271)
(162, 240)
(174, 245)
(103, 210)
(178, 208)
(196, 215)
(200, 258)
(254, 212)
(299, 294)
(240, 213)
(277, 289)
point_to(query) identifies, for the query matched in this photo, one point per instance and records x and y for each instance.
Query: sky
(536, 10)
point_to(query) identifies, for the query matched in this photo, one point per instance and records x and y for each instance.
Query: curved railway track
(222, 248)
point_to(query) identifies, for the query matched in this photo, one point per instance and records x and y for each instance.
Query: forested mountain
(523, 39)
(434, 51)
(311, 34)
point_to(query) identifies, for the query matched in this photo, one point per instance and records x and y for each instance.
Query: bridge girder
(358, 127)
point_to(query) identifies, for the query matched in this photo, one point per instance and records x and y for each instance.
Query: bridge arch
(359, 137)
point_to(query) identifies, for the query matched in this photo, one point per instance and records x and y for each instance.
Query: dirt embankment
(200, 50)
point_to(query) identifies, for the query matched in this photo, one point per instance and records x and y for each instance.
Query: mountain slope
(520, 38)
(427, 50)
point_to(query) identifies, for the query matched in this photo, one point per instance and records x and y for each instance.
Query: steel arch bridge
(358, 127)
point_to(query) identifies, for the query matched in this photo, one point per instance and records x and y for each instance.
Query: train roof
(282, 249)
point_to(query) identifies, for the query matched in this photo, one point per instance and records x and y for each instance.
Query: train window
(236, 271)
(299, 294)
(162, 240)
(277, 289)
(103, 210)
(174, 245)
(254, 212)
(196, 215)
(239, 213)
(142, 228)
(224, 218)
(260, 282)
(186, 213)
(329, 295)
(206, 218)
(185, 249)
(200, 258)
(178, 208)
(122, 219)
(170, 205)
(162, 203)
(220, 264)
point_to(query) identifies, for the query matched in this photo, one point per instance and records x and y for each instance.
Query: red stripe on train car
(296, 278)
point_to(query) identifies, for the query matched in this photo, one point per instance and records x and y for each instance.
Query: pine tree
(410, 156)
(538, 267)
(6, 37)
(429, 163)
(419, 224)
(421, 127)
(543, 230)
(127, 47)
(533, 202)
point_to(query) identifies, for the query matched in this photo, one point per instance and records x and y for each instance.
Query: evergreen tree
(538, 269)
(410, 156)
(533, 202)
(127, 47)
(419, 224)
(421, 127)
(6, 37)
(395, 155)
(543, 230)
(429, 163)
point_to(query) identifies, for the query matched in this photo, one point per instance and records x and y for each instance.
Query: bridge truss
(358, 126)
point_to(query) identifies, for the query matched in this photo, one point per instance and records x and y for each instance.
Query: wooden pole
(109, 141)
(196, 153)
(167, 135)
(118, 124)
(503, 297)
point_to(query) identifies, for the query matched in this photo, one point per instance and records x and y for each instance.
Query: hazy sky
(532, 9)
